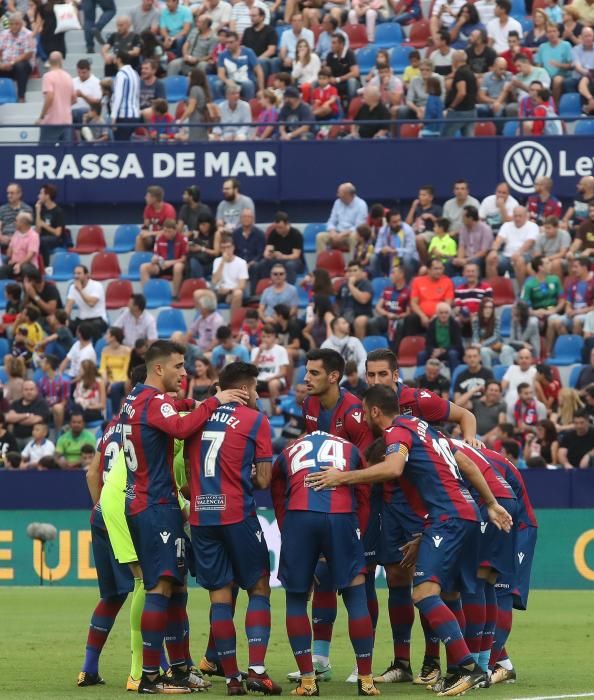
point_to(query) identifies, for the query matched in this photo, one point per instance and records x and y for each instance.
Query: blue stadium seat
(419, 371)
(4, 348)
(379, 284)
(157, 293)
(584, 127)
(375, 342)
(99, 346)
(310, 233)
(366, 58)
(124, 238)
(3, 375)
(526, 22)
(399, 56)
(499, 371)
(518, 8)
(136, 261)
(510, 128)
(567, 350)
(573, 376)
(570, 106)
(7, 91)
(299, 375)
(63, 264)
(169, 321)
(280, 30)
(176, 87)
(459, 369)
(505, 321)
(458, 280)
(388, 35)
(303, 296)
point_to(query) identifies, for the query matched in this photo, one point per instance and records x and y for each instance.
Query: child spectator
(364, 248)
(268, 116)
(280, 84)
(14, 304)
(324, 99)
(352, 382)
(442, 245)
(60, 340)
(251, 330)
(544, 124)
(413, 70)
(35, 333)
(20, 345)
(39, 451)
(227, 350)
(162, 121)
(433, 108)
(87, 453)
(54, 389)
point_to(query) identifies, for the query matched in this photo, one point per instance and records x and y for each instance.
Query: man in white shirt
(498, 208)
(523, 372)
(512, 247)
(272, 361)
(229, 277)
(289, 39)
(81, 350)
(486, 10)
(136, 322)
(89, 298)
(501, 25)
(219, 11)
(87, 88)
(443, 16)
(349, 347)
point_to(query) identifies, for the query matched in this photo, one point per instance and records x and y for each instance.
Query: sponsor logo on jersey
(165, 536)
(217, 501)
(521, 556)
(339, 423)
(437, 540)
(167, 410)
(312, 418)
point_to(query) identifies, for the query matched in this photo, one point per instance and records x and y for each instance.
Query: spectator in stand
(229, 277)
(583, 242)
(262, 39)
(368, 11)
(556, 57)
(58, 97)
(537, 35)
(586, 90)
(170, 253)
(191, 210)
(236, 116)
(345, 71)
(462, 28)
(499, 27)
(542, 447)
(233, 203)
(513, 246)
(115, 363)
(123, 41)
(306, 67)
(489, 409)
(145, 17)
(468, 297)
(219, 11)
(136, 322)
(514, 50)
(453, 209)
(395, 246)
(481, 56)
(88, 296)
(543, 292)
(423, 212)
(371, 110)
(203, 376)
(249, 241)
(349, 347)
(238, 66)
(174, 26)
(12, 388)
(294, 115)
(38, 453)
(472, 381)
(89, 395)
(227, 350)
(125, 102)
(68, 447)
(498, 208)
(348, 212)
(284, 247)
(418, 92)
(547, 387)
(329, 26)
(49, 222)
(523, 372)
(583, 58)
(17, 53)
(155, 213)
(543, 203)
(442, 57)
(576, 446)
(406, 11)
(288, 42)
(201, 336)
(461, 99)
(60, 340)
(475, 239)
(279, 292)
(496, 92)
(352, 382)
(317, 327)
(524, 331)
(325, 103)
(433, 379)
(579, 301)
(197, 48)
(442, 16)
(353, 298)
(529, 79)
(586, 375)
(9, 212)
(578, 212)
(391, 308)
(87, 90)
(27, 412)
(442, 245)
(526, 412)
(151, 88)
(553, 243)
(443, 339)
(81, 350)
(23, 249)
(426, 292)
(272, 362)
(289, 331)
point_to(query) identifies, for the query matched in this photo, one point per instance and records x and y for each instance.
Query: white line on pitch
(557, 697)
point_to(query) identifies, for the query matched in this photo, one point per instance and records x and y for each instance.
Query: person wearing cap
(292, 115)
(87, 88)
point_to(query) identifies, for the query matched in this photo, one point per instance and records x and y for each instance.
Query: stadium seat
(303, 295)
(379, 284)
(366, 58)
(176, 87)
(388, 35)
(566, 351)
(118, 293)
(399, 57)
(337, 283)
(4, 348)
(3, 285)
(456, 373)
(458, 281)
(136, 261)
(299, 375)
(419, 372)
(310, 233)
(186, 293)
(584, 127)
(570, 106)
(180, 109)
(409, 348)
(99, 346)
(333, 261)
(526, 22)
(169, 321)
(63, 264)
(510, 128)
(518, 8)
(262, 285)
(256, 108)
(499, 371)
(3, 375)
(237, 319)
(124, 239)
(573, 375)
(503, 291)
(357, 35)
(90, 239)
(485, 129)
(419, 34)
(505, 321)
(409, 131)
(7, 91)
(354, 107)
(375, 342)
(157, 293)
(105, 266)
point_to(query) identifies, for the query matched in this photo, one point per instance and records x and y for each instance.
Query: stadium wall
(564, 554)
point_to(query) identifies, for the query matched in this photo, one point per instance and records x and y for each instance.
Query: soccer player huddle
(371, 482)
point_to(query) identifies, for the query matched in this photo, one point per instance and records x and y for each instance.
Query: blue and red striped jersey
(309, 455)
(525, 515)
(495, 481)
(221, 457)
(431, 469)
(423, 404)
(109, 448)
(150, 422)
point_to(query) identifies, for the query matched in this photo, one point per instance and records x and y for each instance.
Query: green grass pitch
(43, 633)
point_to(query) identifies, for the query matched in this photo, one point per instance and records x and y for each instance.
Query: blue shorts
(227, 554)
(190, 558)
(371, 538)
(397, 529)
(306, 536)
(448, 555)
(159, 541)
(519, 582)
(497, 548)
(114, 579)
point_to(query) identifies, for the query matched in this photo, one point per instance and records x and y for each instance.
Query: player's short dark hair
(139, 300)
(237, 373)
(512, 448)
(382, 355)
(376, 452)
(332, 361)
(117, 333)
(223, 333)
(52, 361)
(138, 375)
(85, 331)
(382, 397)
(161, 350)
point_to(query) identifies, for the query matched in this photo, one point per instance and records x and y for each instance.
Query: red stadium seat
(180, 109)
(419, 34)
(90, 239)
(237, 319)
(256, 108)
(485, 129)
(186, 293)
(333, 261)
(410, 346)
(503, 291)
(118, 293)
(354, 107)
(357, 35)
(337, 283)
(105, 266)
(262, 285)
(409, 131)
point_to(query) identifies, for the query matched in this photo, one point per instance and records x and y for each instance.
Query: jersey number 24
(330, 453)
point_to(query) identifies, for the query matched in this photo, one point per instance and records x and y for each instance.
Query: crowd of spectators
(262, 62)
(427, 279)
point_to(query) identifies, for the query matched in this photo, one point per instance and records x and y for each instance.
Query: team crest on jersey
(437, 540)
(259, 535)
(357, 416)
(483, 527)
(521, 556)
(165, 536)
(339, 424)
(358, 533)
(167, 410)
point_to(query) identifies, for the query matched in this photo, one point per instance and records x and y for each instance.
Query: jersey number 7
(215, 438)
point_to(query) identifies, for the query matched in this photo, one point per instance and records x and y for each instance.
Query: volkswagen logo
(524, 163)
